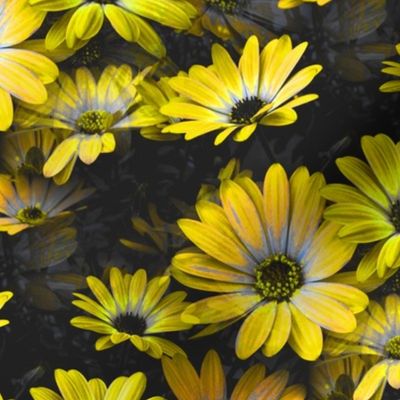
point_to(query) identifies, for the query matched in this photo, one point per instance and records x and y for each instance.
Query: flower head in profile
(269, 255)
(4, 297)
(232, 170)
(369, 211)
(377, 334)
(157, 93)
(233, 99)
(72, 385)
(30, 201)
(89, 113)
(24, 74)
(83, 19)
(26, 152)
(285, 4)
(210, 384)
(234, 20)
(135, 310)
(392, 68)
(336, 379)
(157, 237)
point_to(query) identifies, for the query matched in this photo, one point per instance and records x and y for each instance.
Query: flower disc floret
(278, 277)
(228, 6)
(392, 347)
(31, 215)
(94, 121)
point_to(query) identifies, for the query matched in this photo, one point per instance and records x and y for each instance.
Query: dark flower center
(94, 121)
(344, 389)
(130, 323)
(395, 215)
(226, 6)
(243, 110)
(31, 215)
(89, 55)
(392, 347)
(278, 277)
(392, 285)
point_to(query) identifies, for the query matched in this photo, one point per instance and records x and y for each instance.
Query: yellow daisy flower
(285, 4)
(187, 384)
(134, 311)
(90, 113)
(84, 19)
(378, 334)
(393, 68)
(269, 254)
(29, 201)
(23, 73)
(337, 379)
(26, 151)
(4, 297)
(370, 211)
(72, 385)
(235, 99)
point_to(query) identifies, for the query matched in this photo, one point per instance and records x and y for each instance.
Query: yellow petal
(218, 245)
(56, 34)
(324, 311)
(108, 143)
(394, 375)
(350, 296)
(280, 332)
(227, 70)
(280, 117)
(361, 175)
(244, 218)
(370, 382)
(249, 65)
(244, 133)
(17, 80)
(305, 336)
(255, 330)
(164, 12)
(61, 156)
(6, 110)
(4, 297)
(38, 64)
(272, 387)
(90, 148)
(213, 309)
(327, 253)
(85, 23)
(276, 206)
(122, 23)
(384, 160)
(181, 377)
(212, 377)
(248, 382)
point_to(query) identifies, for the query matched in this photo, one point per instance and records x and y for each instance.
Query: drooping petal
(212, 377)
(255, 330)
(305, 336)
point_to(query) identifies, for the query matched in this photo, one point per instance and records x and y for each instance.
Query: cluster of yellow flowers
(274, 254)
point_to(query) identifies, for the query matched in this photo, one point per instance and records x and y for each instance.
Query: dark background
(40, 338)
